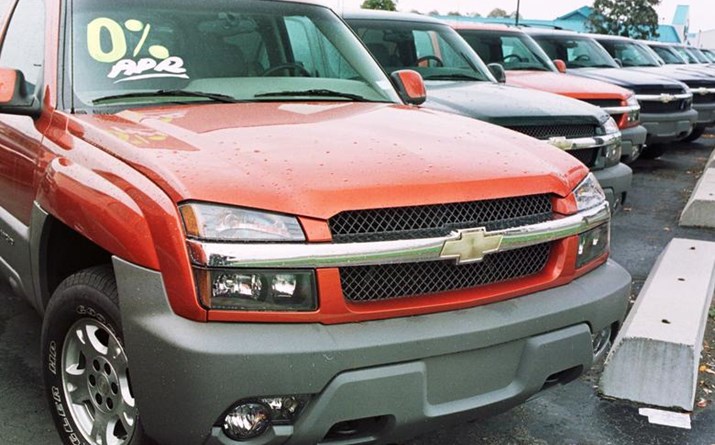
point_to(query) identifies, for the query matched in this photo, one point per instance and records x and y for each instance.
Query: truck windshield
(669, 55)
(630, 53)
(685, 54)
(513, 50)
(576, 52)
(435, 51)
(138, 53)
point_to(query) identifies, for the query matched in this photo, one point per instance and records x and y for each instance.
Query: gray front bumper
(632, 144)
(415, 373)
(668, 127)
(615, 182)
(706, 114)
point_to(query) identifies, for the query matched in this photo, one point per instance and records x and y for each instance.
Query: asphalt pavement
(568, 415)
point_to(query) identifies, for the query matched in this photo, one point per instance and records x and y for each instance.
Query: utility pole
(518, 4)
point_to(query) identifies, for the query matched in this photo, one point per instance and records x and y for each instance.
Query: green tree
(387, 5)
(455, 13)
(498, 12)
(629, 18)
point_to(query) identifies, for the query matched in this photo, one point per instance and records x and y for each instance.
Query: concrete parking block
(700, 209)
(654, 359)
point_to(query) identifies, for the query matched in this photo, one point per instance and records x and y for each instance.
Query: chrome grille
(438, 220)
(384, 282)
(550, 131)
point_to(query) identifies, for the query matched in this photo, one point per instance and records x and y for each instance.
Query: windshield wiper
(453, 76)
(314, 93)
(168, 93)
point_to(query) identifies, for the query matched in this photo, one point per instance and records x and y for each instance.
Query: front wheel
(695, 134)
(86, 370)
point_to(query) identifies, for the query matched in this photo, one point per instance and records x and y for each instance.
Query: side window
(23, 46)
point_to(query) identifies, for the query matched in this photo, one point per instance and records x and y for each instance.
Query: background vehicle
(458, 81)
(236, 232)
(634, 55)
(666, 104)
(528, 66)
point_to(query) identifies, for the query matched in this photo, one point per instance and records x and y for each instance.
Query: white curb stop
(654, 359)
(700, 209)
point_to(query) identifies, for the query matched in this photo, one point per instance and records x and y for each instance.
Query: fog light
(600, 340)
(247, 420)
(593, 244)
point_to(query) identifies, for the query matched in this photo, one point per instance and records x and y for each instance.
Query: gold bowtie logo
(666, 98)
(471, 246)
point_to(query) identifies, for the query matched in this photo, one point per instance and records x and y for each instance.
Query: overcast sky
(702, 12)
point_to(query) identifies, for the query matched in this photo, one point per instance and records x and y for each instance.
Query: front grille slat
(587, 156)
(660, 107)
(551, 131)
(438, 220)
(385, 282)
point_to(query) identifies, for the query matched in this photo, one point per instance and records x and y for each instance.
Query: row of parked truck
(656, 93)
(238, 228)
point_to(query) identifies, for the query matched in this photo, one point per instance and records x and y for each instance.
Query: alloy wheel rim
(95, 379)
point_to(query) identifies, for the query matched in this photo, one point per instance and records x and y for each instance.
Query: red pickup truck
(238, 229)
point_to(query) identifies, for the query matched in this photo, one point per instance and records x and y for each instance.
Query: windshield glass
(435, 51)
(699, 55)
(685, 54)
(224, 50)
(669, 55)
(630, 53)
(576, 52)
(513, 50)
(709, 54)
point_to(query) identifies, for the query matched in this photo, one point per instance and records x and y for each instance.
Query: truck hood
(317, 159)
(633, 80)
(566, 85)
(509, 106)
(689, 77)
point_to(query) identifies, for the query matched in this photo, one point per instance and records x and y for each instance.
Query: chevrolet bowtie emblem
(701, 91)
(561, 142)
(471, 246)
(666, 98)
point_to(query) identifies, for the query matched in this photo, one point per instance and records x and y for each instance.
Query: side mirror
(410, 85)
(498, 72)
(14, 98)
(560, 65)
(619, 62)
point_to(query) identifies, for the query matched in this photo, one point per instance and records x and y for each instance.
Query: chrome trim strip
(660, 97)
(703, 91)
(584, 143)
(622, 110)
(318, 255)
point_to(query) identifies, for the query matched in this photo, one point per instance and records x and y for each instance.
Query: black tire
(696, 133)
(81, 326)
(653, 151)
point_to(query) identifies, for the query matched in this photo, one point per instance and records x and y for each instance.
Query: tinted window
(514, 51)
(576, 52)
(23, 47)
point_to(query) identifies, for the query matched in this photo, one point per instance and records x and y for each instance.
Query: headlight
(593, 244)
(631, 101)
(632, 118)
(589, 193)
(610, 126)
(223, 223)
(257, 290)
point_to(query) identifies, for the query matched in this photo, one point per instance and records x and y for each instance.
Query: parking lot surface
(572, 414)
